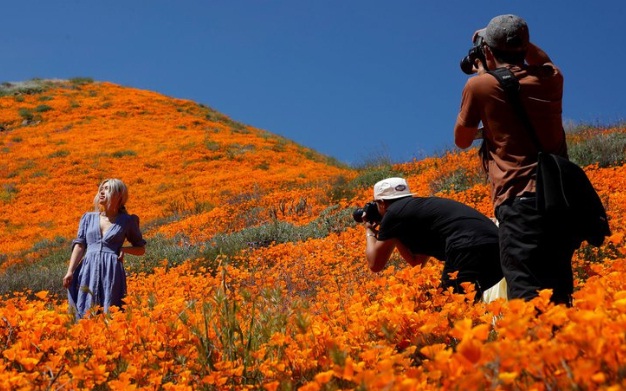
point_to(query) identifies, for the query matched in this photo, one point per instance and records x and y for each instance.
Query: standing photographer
(535, 252)
(421, 227)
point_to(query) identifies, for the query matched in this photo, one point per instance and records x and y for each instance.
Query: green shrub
(26, 114)
(81, 81)
(212, 145)
(42, 108)
(30, 87)
(458, 180)
(44, 274)
(127, 152)
(190, 204)
(607, 150)
(160, 250)
(8, 192)
(59, 153)
(263, 166)
(215, 116)
(368, 176)
(177, 250)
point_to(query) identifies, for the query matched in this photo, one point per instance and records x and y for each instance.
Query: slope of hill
(179, 159)
(294, 307)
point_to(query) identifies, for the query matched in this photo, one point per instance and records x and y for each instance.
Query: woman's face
(105, 196)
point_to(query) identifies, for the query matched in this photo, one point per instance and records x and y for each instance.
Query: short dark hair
(509, 57)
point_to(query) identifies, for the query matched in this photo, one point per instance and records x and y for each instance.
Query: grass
(458, 180)
(42, 108)
(127, 152)
(373, 172)
(8, 192)
(59, 153)
(42, 269)
(81, 81)
(49, 259)
(607, 150)
(26, 114)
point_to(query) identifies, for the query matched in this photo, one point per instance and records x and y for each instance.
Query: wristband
(369, 234)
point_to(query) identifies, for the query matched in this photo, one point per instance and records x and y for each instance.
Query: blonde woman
(95, 275)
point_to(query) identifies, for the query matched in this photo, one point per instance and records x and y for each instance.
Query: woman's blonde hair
(116, 187)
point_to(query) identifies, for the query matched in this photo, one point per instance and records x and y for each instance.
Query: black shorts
(535, 251)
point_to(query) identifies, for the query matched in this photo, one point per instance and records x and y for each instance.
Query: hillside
(181, 161)
(255, 275)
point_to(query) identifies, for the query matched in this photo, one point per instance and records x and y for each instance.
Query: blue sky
(355, 80)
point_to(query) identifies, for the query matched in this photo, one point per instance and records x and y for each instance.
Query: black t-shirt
(433, 226)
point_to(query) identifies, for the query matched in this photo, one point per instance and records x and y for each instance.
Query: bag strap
(511, 87)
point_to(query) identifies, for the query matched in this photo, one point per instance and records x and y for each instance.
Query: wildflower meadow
(255, 276)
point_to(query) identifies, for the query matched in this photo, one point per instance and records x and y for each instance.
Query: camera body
(476, 52)
(371, 214)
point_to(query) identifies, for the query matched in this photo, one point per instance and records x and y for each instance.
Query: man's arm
(536, 56)
(412, 259)
(464, 136)
(378, 252)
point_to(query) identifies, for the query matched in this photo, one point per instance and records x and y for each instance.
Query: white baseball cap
(391, 188)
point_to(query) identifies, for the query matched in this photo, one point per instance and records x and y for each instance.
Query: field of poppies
(255, 274)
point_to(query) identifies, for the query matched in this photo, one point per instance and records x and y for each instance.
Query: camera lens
(357, 215)
(467, 64)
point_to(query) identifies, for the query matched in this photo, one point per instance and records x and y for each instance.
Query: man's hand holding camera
(370, 216)
(475, 61)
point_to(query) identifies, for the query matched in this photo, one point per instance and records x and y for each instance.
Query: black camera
(476, 52)
(371, 214)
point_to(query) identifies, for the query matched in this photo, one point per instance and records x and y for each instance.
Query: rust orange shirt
(512, 153)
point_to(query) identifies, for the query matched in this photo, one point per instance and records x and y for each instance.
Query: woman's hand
(67, 280)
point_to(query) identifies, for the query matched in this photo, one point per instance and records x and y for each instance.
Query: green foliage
(8, 192)
(59, 153)
(190, 204)
(212, 145)
(458, 180)
(236, 326)
(264, 165)
(162, 250)
(127, 152)
(42, 108)
(26, 114)
(175, 251)
(228, 245)
(235, 150)
(368, 176)
(43, 269)
(81, 81)
(34, 86)
(215, 116)
(280, 145)
(607, 150)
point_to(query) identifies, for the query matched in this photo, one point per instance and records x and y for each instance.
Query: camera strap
(511, 87)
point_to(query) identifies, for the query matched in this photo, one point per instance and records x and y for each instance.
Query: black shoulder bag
(563, 188)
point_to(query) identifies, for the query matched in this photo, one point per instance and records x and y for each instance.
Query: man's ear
(490, 58)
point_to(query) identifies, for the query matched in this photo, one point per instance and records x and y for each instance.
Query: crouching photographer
(465, 240)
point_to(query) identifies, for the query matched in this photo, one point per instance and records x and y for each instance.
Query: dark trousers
(479, 265)
(535, 251)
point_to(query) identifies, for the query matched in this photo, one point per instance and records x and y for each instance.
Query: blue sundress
(100, 279)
